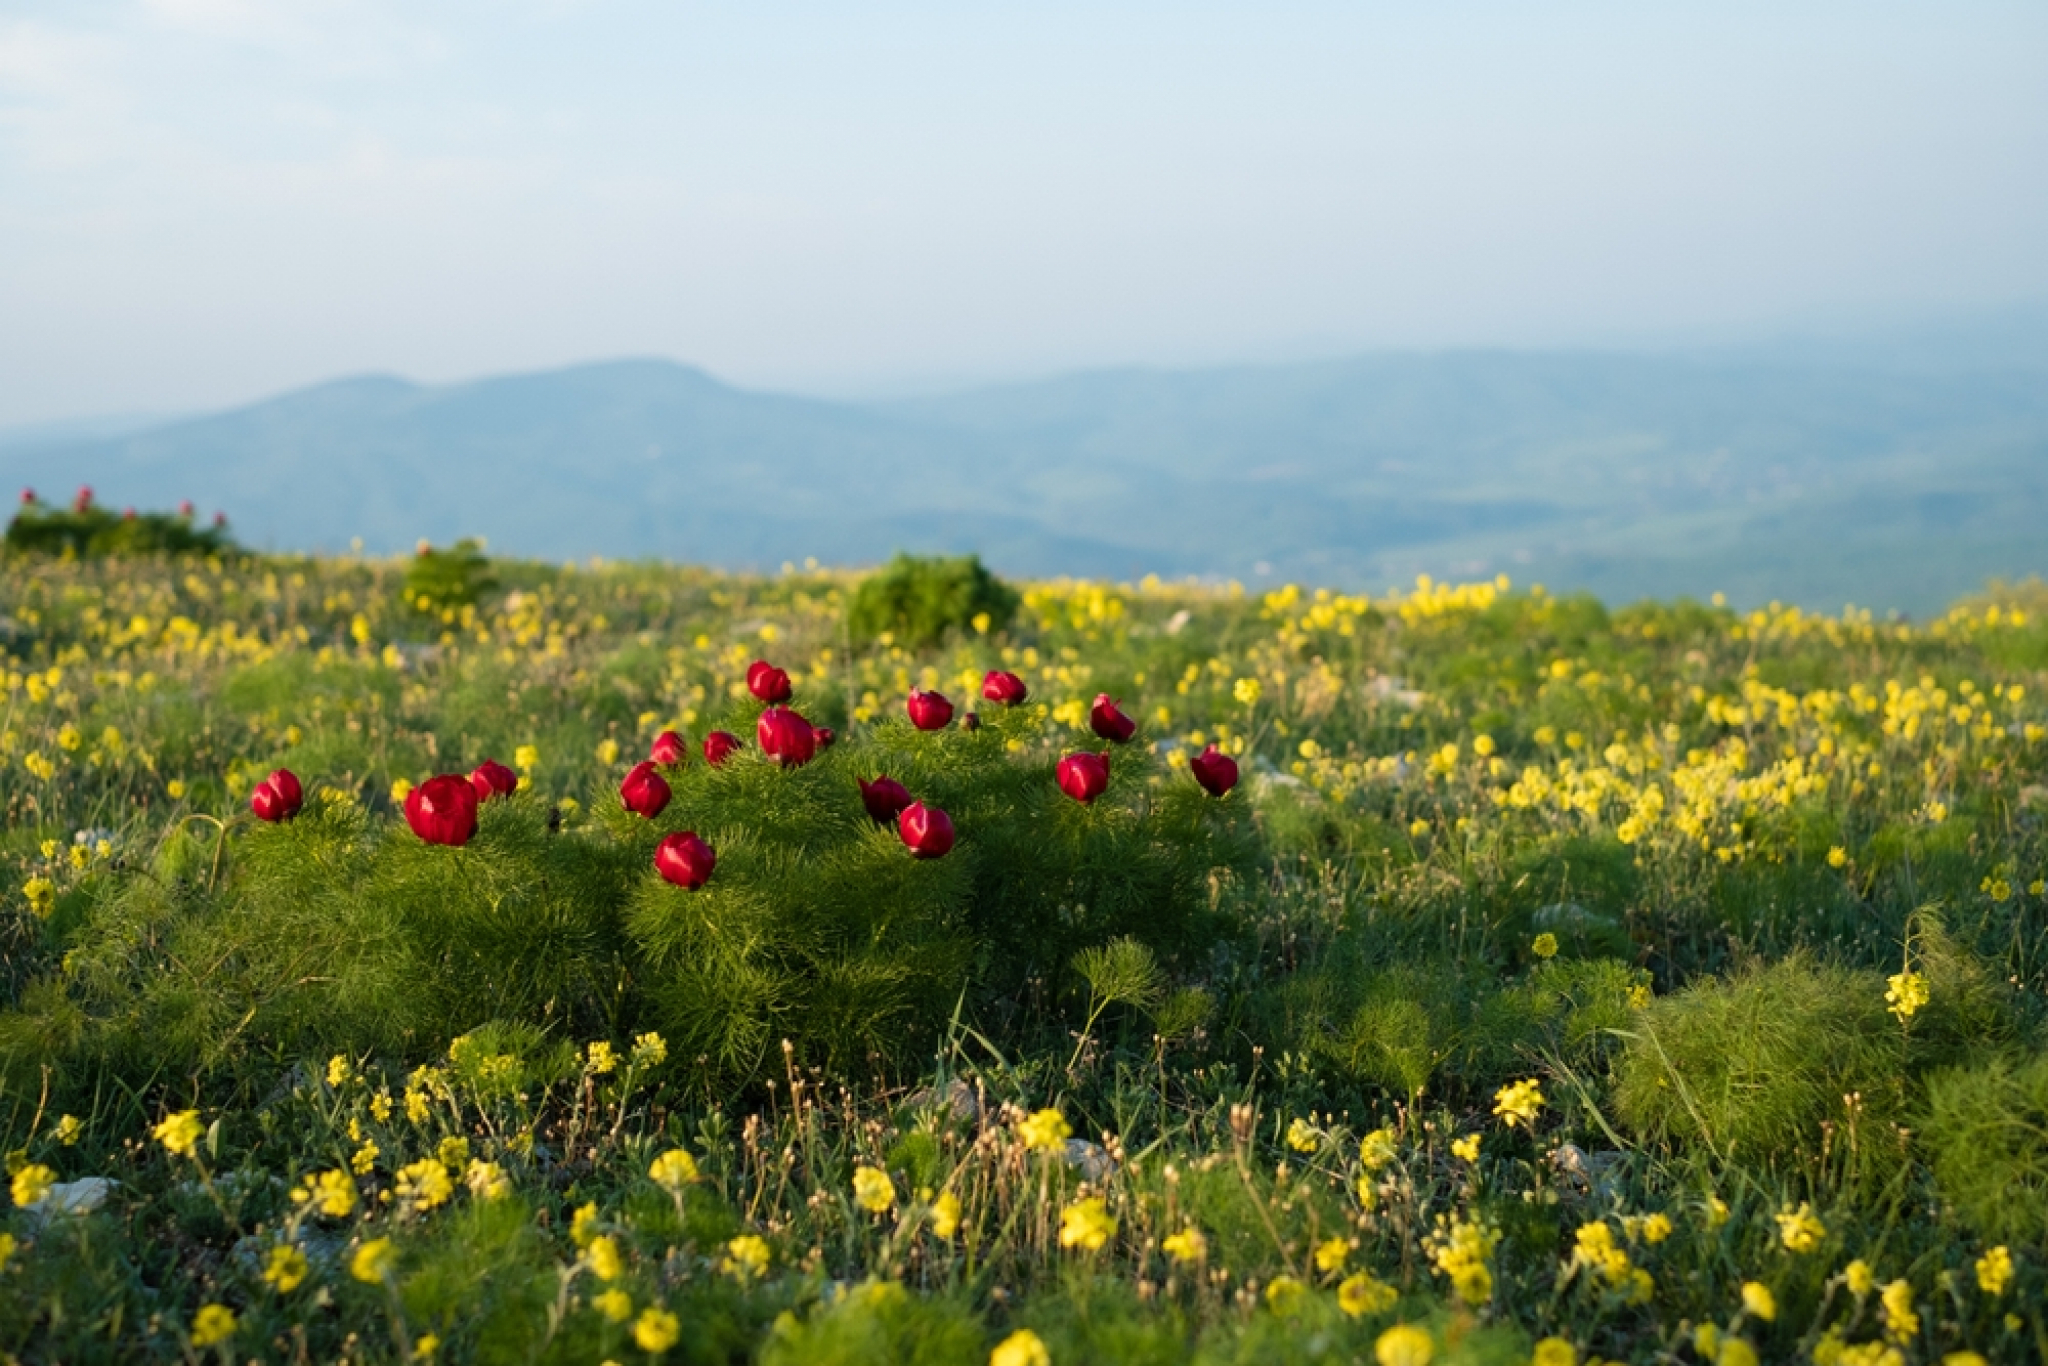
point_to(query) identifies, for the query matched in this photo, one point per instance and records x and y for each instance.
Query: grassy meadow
(1559, 983)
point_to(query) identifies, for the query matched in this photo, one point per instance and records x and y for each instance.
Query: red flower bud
(786, 737)
(644, 792)
(926, 830)
(127, 514)
(928, 710)
(185, 509)
(493, 779)
(767, 682)
(684, 860)
(719, 746)
(826, 735)
(28, 495)
(1003, 687)
(1108, 722)
(1084, 776)
(84, 498)
(442, 810)
(884, 798)
(278, 797)
(669, 749)
(1214, 770)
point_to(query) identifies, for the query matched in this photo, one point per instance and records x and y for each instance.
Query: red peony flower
(84, 498)
(1084, 776)
(767, 682)
(278, 797)
(1108, 722)
(1214, 770)
(185, 509)
(786, 737)
(684, 860)
(719, 746)
(1006, 688)
(442, 810)
(644, 791)
(884, 798)
(926, 830)
(669, 749)
(28, 495)
(493, 779)
(928, 710)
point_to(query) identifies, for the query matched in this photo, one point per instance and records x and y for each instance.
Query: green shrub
(88, 529)
(920, 599)
(438, 580)
(1986, 1133)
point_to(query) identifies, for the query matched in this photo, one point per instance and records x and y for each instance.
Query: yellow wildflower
(946, 1215)
(32, 1185)
(401, 788)
(1656, 1228)
(608, 754)
(1403, 1345)
(1377, 1149)
(673, 1170)
(285, 1268)
(1086, 1224)
(1188, 1245)
(649, 1050)
(425, 1345)
(583, 1224)
(1302, 1136)
(42, 896)
(1716, 1211)
(69, 1127)
(1554, 1351)
(214, 1323)
(339, 1073)
(1837, 856)
(1905, 993)
(1901, 1323)
(1736, 1352)
(602, 1060)
(1994, 1271)
(873, 1191)
(1759, 1302)
(1021, 1348)
(1331, 1254)
(656, 1330)
(374, 1261)
(525, 757)
(1466, 1149)
(364, 1160)
(425, 1184)
(1545, 945)
(614, 1304)
(1247, 691)
(1284, 1294)
(1519, 1102)
(1044, 1131)
(487, 1181)
(746, 1256)
(1860, 1279)
(1361, 1294)
(180, 1132)
(1799, 1229)
(603, 1255)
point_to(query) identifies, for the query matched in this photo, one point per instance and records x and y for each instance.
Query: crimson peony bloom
(926, 830)
(1108, 722)
(884, 798)
(28, 495)
(1084, 776)
(442, 810)
(84, 498)
(493, 779)
(1214, 770)
(786, 737)
(719, 746)
(928, 710)
(185, 508)
(644, 791)
(1004, 687)
(278, 797)
(669, 749)
(767, 682)
(685, 860)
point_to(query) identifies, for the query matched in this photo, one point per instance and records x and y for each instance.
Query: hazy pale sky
(203, 201)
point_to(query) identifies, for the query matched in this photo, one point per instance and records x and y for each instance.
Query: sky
(206, 201)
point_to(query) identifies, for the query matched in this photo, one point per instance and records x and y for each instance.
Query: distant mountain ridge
(1629, 475)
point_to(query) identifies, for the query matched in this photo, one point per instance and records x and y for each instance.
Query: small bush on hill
(919, 599)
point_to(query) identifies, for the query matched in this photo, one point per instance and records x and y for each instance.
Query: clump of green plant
(87, 528)
(1986, 1132)
(439, 580)
(919, 599)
